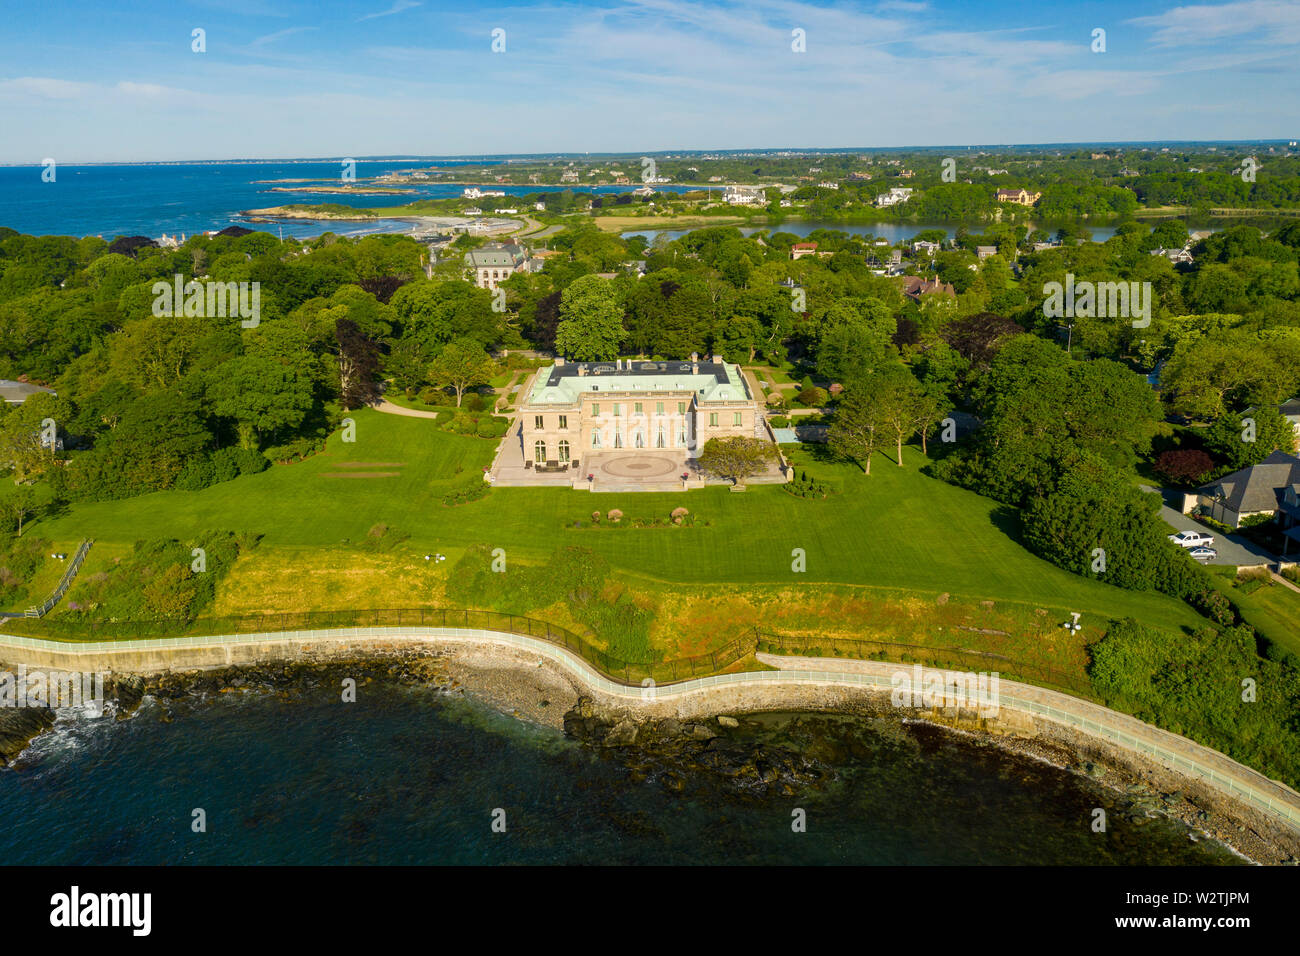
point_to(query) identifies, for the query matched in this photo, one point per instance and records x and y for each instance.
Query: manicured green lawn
(894, 529)
(1273, 610)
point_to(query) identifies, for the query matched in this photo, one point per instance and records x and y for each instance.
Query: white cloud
(271, 37)
(1274, 22)
(397, 7)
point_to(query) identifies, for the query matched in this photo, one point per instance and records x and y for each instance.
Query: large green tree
(591, 321)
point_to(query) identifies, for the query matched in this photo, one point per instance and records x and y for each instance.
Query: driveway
(1233, 549)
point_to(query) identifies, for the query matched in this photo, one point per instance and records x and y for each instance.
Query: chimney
(582, 370)
(559, 361)
(695, 366)
(715, 360)
(695, 356)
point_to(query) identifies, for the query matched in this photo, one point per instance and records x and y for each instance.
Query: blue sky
(85, 80)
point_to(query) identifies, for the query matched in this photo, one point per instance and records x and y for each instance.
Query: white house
(895, 195)
(744, 196)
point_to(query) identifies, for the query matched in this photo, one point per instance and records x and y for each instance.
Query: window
(736, 419)
(618, 439)
(564, 452)
(564, 421)
(595, 410)
(539, 452)
(713, 419)
(640, 439)
(638, 408)
(681, 408)
(659, 408)
(618, 410)
(539, 422)
(659, 442)
(681, 437)
(595, 439)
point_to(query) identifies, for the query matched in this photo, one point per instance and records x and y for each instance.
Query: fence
(1176, 752)
(630, 672)
(41, 610)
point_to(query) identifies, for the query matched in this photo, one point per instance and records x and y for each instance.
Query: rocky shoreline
(670, 748)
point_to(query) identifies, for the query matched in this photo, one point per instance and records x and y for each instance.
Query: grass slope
(896, 529)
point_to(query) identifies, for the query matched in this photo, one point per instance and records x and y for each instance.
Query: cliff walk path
(796, 683)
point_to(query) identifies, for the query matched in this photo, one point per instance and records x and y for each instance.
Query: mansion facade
(575, 411)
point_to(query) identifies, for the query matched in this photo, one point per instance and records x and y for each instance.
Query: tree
(1240, 441)
(857, 430)
(462, 365)
(898, 404)
(1186, 467)
(591, 321)
(978, 337)
(17, 505)
(1098, 524)
(358, 358)
(736, 458)
(262, 397)
(27, 443)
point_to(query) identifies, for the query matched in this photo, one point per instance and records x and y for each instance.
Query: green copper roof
(710, 382)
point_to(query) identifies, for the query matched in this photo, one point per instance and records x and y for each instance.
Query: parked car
(1203, 554)
(1192, 539)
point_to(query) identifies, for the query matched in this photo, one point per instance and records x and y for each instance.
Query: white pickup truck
(1192, 539)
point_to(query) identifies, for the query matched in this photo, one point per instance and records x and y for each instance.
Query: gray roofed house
(1290, 410)
(496, 263)
(1259, 489)
(15, 393)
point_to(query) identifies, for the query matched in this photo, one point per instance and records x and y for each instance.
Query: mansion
(602, 419)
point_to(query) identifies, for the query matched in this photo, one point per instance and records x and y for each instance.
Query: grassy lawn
(893, 533)
(1273, 610)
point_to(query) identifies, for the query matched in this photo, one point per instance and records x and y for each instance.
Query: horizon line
(797, 150)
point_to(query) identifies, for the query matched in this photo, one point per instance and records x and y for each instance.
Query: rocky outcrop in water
(18, 725)
(742, 753)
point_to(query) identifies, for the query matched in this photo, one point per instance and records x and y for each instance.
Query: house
(578, 410)
(643, 191)
(985, 251)
(744, 196)
(15, 393)
(914, 287)
(1259, 489)
(801, 249)
(1175, 255)
(1020, 197)
(495, 263)
(926, 247)
(1290, 410)
(1129, 172)
(896, 195)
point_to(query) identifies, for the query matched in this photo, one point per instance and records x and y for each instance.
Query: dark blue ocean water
(152, 199)
(408, 775)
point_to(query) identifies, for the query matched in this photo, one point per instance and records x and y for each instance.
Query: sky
(93, 81)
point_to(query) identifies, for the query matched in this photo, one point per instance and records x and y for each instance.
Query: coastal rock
(18, 725)
(725, 721)
(622, 734)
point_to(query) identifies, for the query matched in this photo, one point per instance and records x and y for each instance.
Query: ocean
(172, 198)
(413, 775)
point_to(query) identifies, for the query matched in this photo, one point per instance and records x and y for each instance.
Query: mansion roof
(709, 381)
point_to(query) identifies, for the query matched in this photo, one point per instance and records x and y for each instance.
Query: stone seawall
(796, 684)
